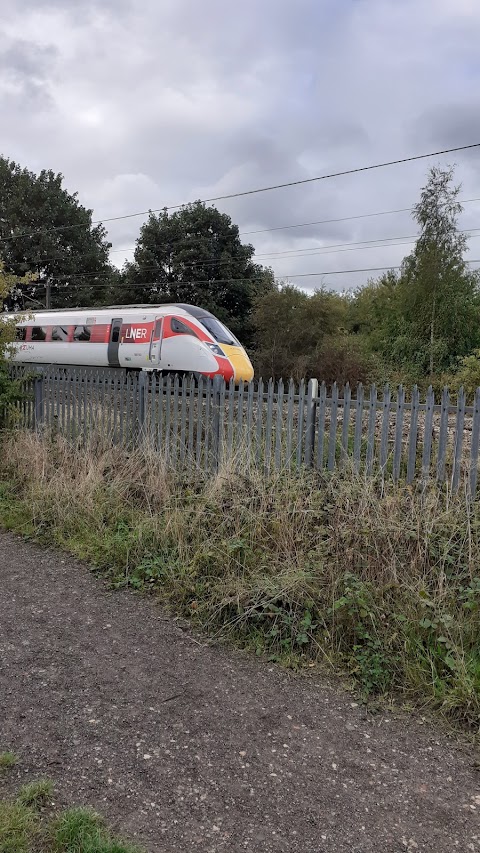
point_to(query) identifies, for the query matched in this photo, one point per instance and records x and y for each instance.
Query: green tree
(10, 390)
(44, 230)
(195, 255)
(301, 335)
(438, 295)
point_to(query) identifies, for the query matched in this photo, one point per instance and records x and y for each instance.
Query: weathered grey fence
(205, 423)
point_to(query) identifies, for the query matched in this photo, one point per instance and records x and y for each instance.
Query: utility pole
(48, 295)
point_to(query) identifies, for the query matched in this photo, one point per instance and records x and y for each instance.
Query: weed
(7, 760)
(36, 794)
(17, 828)
(378, 580)
(83, 831)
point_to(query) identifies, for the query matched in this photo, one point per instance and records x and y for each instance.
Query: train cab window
(82, 333)
(39, 333)
(21, 333)
(181, 328)
(218, 331)
(59, 333)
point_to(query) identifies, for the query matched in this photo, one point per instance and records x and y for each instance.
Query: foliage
(468, 372)
(195, 256)
(46, 232)
(423, 319)
(298, 335)
(7, 760)
(10, 391)
(380, 582)
(28, 823)
(36, 794)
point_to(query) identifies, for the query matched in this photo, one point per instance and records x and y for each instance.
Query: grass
(378, 582)
(7, 760)
(29, 823)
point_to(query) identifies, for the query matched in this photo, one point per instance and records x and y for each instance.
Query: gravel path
(194, 748)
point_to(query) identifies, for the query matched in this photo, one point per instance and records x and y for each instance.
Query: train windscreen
(218, 331)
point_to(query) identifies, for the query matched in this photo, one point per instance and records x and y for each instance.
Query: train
(177, 338)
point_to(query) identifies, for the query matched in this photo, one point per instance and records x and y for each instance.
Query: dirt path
(193, 748)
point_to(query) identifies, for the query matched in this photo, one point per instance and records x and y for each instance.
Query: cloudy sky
(142, 105)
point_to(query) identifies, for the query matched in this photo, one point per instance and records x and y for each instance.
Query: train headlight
(216, 349)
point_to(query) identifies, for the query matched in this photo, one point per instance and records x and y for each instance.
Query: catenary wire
(254, 191)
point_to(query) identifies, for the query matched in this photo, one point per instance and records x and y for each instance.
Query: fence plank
(357, 440)
(183, 418)
(473, 474)
(250, 398)
(279, 425)
(301, 410)
(459, 435)
(291, 398)
(168, 413)
(332, 441)
(443, 436)
(347, 398)
(231, 409)
(428, 434)
(385, 428)
(258, 448)
(372, 418)
(397, 450)
(208, 406)
(412, 444)
(200, 395)
(312, 394)
(268, 427)
(322, 405)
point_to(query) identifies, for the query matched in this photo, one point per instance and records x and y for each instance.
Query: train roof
(193, 310)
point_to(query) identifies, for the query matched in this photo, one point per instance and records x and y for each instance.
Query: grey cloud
(142, 106)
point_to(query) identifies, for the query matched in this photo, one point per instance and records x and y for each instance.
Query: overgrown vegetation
(301, 568)
(30, 822)
(10, 391)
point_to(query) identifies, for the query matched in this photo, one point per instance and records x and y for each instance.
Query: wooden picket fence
(205, 423)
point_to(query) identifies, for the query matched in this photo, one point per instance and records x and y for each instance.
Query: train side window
(21, 333)
(158, 329)
(115, 334)
(181, 328)
(59, 333)
(39, 333)
(82, 333)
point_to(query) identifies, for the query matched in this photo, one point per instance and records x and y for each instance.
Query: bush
(380, 582)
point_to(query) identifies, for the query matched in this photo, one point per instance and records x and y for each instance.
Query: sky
(143, 105)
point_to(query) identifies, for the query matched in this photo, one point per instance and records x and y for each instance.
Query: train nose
(242, 366)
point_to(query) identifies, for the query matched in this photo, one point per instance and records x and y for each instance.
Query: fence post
(142, 400)
(38, 399)
(218, 382)
(312, 394)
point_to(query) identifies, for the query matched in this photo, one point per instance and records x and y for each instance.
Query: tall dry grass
(380, 582)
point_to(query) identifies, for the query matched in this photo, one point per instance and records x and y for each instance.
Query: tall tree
(10, 390)
(298, 334)
(438, 295)
(44, 230)
(195, 255)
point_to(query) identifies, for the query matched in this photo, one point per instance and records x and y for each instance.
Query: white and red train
(168, 338)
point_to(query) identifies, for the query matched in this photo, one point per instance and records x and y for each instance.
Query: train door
(114, 342)
(156, 343)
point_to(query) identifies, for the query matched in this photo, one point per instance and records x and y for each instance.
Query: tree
(195, 255)
(438, 295)
(44, 230)
(301, 336)
(10, 390)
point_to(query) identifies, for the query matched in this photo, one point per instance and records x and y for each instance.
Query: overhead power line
(96, 284)
(254, 191)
